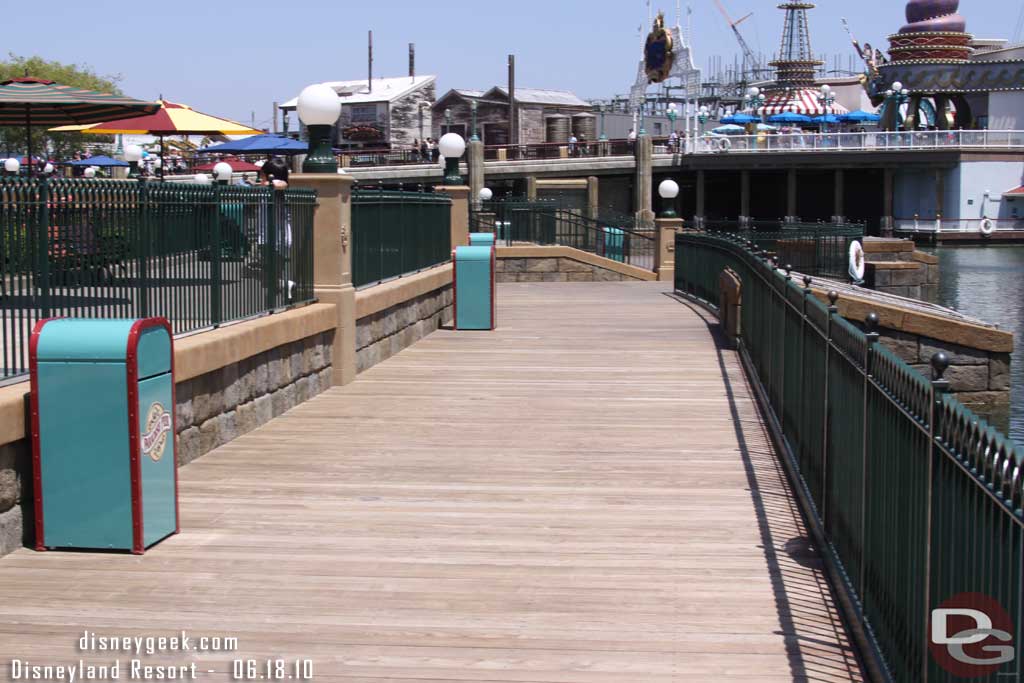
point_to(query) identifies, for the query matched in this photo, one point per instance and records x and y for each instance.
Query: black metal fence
(550, 223)
(197, 255)
(396, 232)
(918, 503)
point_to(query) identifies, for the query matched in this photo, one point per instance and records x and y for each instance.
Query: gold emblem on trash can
(158, 426)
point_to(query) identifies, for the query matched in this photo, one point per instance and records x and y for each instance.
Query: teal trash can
(613, 244)
(473, 282)
(481, 239)
(103, 446)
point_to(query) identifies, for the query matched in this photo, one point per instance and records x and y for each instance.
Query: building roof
(1015, 192)
(384, 90)
(563, 98)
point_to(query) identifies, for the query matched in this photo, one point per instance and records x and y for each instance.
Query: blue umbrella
(860, 116)
(729, 129)
(827, 118)
(101, 161)
(741, 119)
(259, 144)
(790, 117)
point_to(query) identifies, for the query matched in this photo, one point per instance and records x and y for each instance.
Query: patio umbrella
(102, 161)
(237, 165)
(260, 144)
(730, 129)
(171, 119)
(34, 101)
(860, 116)
(741, 119)
(826, 118)
(790, 117)
(765, 128)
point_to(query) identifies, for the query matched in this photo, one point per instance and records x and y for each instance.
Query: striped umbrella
(34, 101)
(171, 119)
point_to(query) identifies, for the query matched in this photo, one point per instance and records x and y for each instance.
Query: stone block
(209, 435)
(12, 530)
(301, 390)
(967, 378)
(958, 355)
(314, 384)
(228, 428)
(389, 324)
(296, 349)
(531, 277)
(506, 277)
(987, 399)
(933, 277)
(183, 413)
(603, 275)
(261, 375)
(14, 465)
(909, 277)
(245, 418)
(515, 265)
(188, 446)
(364, 333)
(881, 278)
(499, 265)
(556, 277)
(587, 276)
(208, 400)
(246, 381)
(232, 391)
(326, 379)
(283, 400)
(542, 265)
(999, 372)
(264, 406)
(903, 345)
(568, 265)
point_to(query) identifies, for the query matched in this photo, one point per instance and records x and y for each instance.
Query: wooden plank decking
(586, 495)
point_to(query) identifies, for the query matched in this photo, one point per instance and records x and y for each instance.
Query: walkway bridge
(588, 494)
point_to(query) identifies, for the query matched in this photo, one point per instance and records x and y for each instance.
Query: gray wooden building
(542, 115)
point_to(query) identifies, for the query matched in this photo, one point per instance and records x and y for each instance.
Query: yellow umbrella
(171, 119)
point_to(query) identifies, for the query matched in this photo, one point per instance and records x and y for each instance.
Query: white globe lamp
(48, 168)
(668, 190)
(222, 172)
(486, 194)
(319, 108)
(12, 165)
(202, 179)
(133, 155)
(89, 172)
(452, 147)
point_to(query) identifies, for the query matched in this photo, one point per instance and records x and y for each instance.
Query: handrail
(871, 141)
(914, 500)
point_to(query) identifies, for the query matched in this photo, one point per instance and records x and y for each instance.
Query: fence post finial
(940, 363)
(871, 323)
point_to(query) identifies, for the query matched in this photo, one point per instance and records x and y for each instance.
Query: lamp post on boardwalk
(12, 166)
(755, 99)
(668, 191)
(452, 147)
(319, 108)
(474, 137)
(826, 98)
(703, 115)
(894, 99)
(486, 194)
(673, 114)
(222, 172)
(133, 155)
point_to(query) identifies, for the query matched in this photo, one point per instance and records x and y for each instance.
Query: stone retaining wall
(382, 334)
(222, 405)
(896, 267)
(554, 269)
(977, 377)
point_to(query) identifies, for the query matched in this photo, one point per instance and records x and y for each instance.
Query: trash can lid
(463, 254)
(85, 339)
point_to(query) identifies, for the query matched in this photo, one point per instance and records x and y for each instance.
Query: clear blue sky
(229, 58)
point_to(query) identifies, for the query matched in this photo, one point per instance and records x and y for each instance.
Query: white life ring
(986, 227)
(857, 268)
(724, 145)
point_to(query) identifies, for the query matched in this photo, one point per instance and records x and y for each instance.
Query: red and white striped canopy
(804, 101)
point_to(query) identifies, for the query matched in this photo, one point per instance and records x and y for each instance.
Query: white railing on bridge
(864, 141)
(921, 225)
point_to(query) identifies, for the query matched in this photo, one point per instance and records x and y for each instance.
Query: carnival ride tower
(932, 44)
(795, 65)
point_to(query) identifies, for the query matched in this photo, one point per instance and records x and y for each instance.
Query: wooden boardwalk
(586, 495)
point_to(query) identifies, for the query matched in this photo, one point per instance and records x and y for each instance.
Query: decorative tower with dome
(795, 65)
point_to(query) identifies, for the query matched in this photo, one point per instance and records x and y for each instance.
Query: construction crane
(748, 55)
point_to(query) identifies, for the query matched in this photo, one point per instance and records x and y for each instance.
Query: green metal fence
(917, 501)
(816, 249)
(396, 232)
(197, 255)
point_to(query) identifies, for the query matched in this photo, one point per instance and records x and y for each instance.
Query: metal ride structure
(795, 65)
(751, 63)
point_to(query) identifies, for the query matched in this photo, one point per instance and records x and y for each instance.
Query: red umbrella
(237, 165)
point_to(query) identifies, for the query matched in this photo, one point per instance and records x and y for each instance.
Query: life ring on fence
(724, 145)
(986, 227)
(857, 267)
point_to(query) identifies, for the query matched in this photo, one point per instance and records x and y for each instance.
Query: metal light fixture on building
(474, 137)
(319, 108)
(452, 147)
(668, 190)
(222, 172)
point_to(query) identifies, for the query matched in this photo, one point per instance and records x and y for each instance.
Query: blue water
(988, 283)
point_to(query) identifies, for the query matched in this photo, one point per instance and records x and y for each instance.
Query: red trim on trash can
(33, 399)
(134, 447)
(494, 263)
(455, 292)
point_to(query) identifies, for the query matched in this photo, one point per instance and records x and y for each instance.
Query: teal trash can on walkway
(613, 244)
(481, 239)
(103, 433)
(473, 281)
